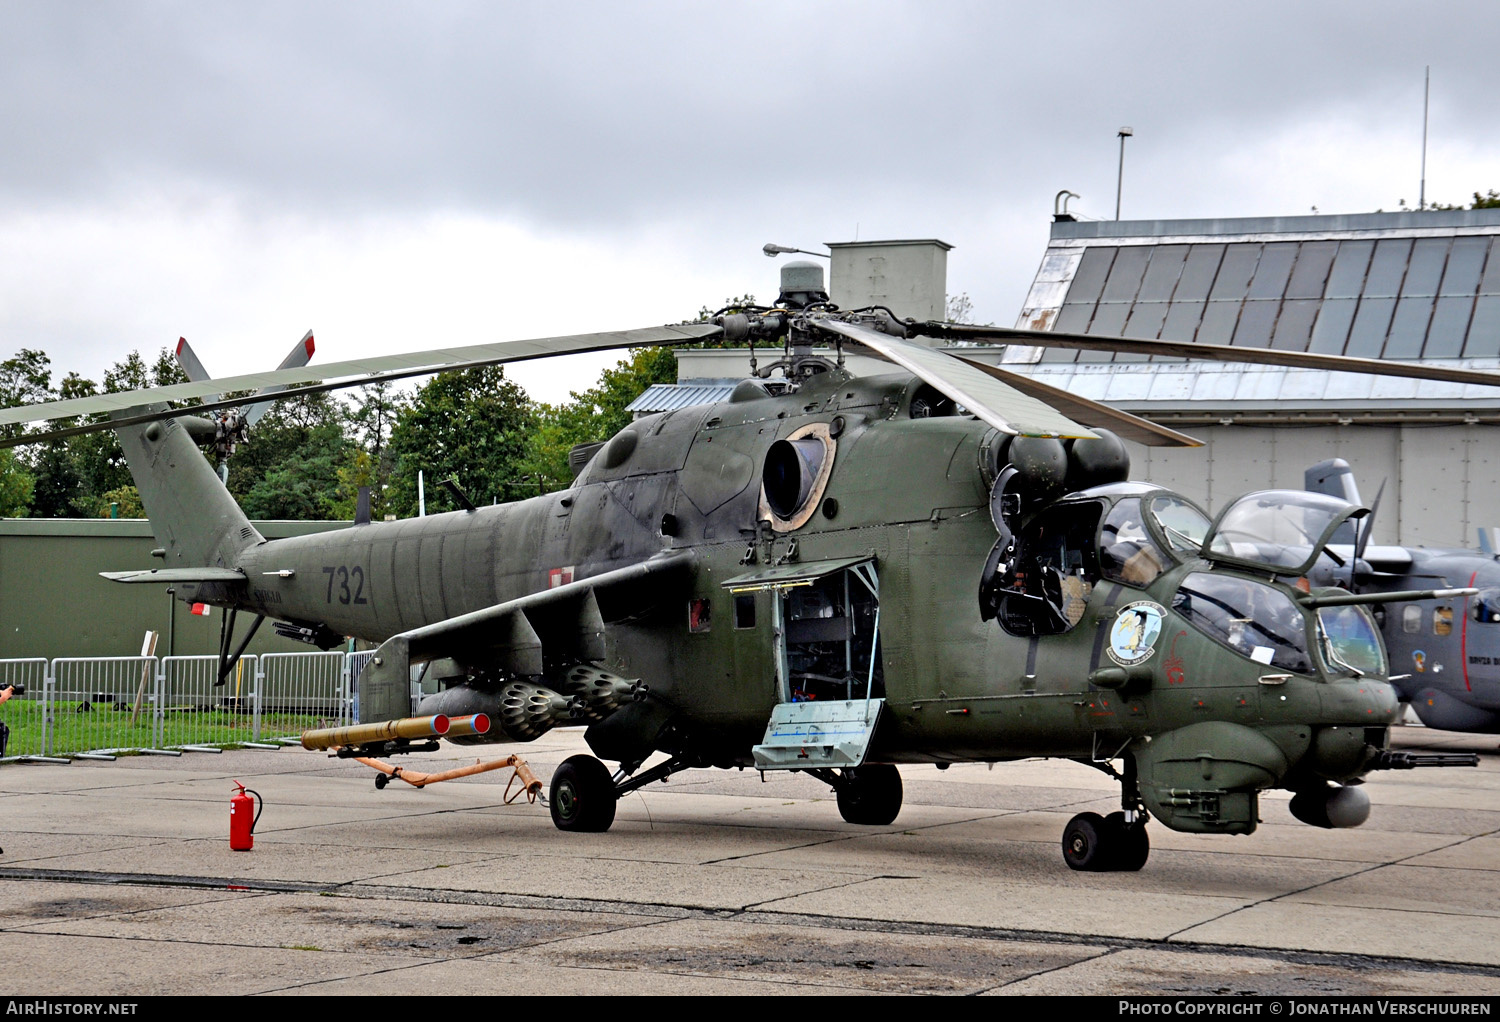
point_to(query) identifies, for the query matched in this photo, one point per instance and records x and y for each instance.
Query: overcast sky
(399, 176)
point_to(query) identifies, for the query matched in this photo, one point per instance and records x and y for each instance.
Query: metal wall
(54, 604)
(1441, 482)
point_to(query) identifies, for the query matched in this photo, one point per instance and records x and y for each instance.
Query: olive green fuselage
(910, 492)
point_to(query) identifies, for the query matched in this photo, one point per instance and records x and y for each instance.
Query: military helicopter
(1447, 654)
(832, 575)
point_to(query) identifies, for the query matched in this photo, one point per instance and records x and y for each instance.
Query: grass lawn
(84, 727)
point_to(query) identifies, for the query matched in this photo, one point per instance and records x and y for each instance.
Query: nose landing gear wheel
(582, 797)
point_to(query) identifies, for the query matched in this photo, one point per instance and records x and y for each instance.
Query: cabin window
(1351, 639)
(700, 616)
(1183, 525)
(744, 611)
(1411, 618)
(1254, 620)
(1487, 606)
(1442, 621)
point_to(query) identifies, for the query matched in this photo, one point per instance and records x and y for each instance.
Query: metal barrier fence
(74, 706)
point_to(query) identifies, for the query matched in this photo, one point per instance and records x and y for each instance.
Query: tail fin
(1334, 478)
(194, 518)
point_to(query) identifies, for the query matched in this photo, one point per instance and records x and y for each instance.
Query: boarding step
(832, 733)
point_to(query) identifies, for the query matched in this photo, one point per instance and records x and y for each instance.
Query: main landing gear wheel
(582, 796)
(1131, 844)
(870, 795)
(1099, 844)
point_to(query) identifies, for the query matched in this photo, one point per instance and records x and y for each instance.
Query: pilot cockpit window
(1250, 618)
(1351, 639)
(1486, 607)
(1127, 553)
(1284, 530)
(1182, 524)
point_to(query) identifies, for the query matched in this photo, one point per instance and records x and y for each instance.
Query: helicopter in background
(831, 575)
(1445, 654)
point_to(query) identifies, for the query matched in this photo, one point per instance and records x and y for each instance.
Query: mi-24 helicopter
(832, 575)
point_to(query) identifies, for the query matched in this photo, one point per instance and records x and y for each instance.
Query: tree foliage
(289, 467)
(472, 424)
(1489, 200)
(308, 457)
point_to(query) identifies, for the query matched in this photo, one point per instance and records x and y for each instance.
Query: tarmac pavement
(117, 879)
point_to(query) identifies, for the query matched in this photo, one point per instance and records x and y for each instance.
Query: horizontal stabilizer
(174, 576)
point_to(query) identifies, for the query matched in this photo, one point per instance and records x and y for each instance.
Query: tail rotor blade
(298, 357)
(187, 358)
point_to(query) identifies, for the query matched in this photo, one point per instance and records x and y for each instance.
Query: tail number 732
(348, 583)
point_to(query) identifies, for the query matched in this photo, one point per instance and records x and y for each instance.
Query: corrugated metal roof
(1148, 386)
(1385, 285)
(666, 397)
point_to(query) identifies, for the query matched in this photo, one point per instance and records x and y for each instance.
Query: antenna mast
(1426, 88)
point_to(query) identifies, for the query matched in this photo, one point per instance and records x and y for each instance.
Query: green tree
(369, 418)
(16, 486)
(25, 379)
(289, 466)
(474, 424)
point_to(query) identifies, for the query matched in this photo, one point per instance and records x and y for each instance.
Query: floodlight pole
(1124, 133)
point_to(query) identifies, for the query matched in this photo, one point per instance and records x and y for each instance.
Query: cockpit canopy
(1144, 535)
(1281, 530)
(1122, 532)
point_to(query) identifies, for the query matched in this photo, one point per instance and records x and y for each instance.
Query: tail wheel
(582, 796)
(870, 795)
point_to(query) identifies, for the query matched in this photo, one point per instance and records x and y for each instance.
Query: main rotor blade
(1209, 352)
(1002, 406)
(1090, 413)
(353, 373)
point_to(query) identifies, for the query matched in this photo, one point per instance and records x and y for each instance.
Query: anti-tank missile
(407, 727)
(473, 724)
(381, 731)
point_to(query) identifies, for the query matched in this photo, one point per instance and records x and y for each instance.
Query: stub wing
(568, 620)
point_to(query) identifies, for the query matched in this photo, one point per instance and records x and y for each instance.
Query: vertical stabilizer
(194, 518)
(1334, 478)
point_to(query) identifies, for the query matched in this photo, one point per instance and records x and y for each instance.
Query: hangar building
(1397, 286)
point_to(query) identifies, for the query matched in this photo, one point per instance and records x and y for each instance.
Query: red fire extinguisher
(241, 822)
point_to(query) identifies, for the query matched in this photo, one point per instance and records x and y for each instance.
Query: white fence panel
(24, 714)
(195, 710)
(100, 703)
(302, 690)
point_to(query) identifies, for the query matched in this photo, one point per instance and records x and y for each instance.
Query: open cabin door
(825, 624)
